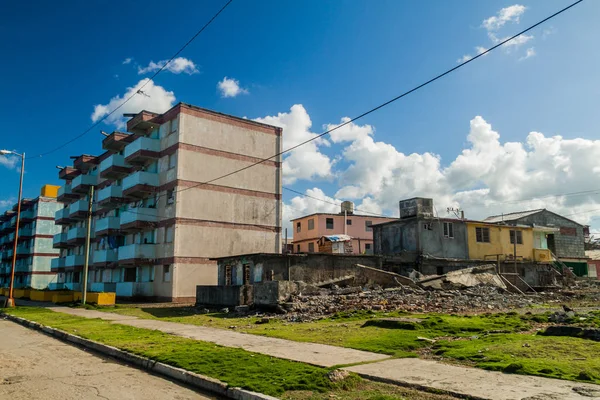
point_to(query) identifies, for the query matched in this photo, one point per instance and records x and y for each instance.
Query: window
(169, 234)
(174, 125)
(298, 248)
(130, 275)
(228, 275)
(329, 223)
(348, 222)
(172, 161)
(166, 273)
(246, 274)
(519, 237)
(170, 196)
(368, 225)
(367, 246)
(298, 227)
(76, 276)
(427, 226)
(311, 224)
(311, 247)
(482, 235)
(448, 230)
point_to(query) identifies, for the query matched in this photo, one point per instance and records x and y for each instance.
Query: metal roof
(511, 216)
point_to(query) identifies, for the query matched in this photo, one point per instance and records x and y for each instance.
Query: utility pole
(515, 249)
(87, 245)
(10, 302)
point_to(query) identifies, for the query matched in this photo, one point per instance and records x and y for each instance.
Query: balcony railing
(104, 257)
(79, 209)
(74, 260)
(62, 217)
(82, 183)
(58, 262)
(114, 167)
(65, 194)
(135, 289)
(25, 233)
(142, 151)
(138, 218)
(110, 195)
(60, 240)
(107, 226)
(27, 215)
(140, 184)
(77, 235)
(137, 253)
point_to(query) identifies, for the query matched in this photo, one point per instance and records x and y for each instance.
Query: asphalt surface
(35, 366)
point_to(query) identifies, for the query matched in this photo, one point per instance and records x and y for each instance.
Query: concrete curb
(181, 375)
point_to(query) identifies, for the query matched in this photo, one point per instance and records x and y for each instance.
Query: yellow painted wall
(49, 191)
(499, 242)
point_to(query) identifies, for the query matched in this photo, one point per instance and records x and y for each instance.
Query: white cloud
(6, 203)
(530, 53)
(467, 57)
(230, 87)
(488, 177)
(128, 60)
(177, 66)
(155, 98)
(513, 44)
(306, 162)
(508, 14)
(10, 162)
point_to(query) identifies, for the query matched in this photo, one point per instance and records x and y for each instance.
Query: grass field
(503, 342)
(236, 367)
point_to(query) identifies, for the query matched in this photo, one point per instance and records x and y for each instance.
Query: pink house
(309, 229)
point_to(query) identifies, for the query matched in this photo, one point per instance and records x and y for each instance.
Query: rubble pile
(306, 307)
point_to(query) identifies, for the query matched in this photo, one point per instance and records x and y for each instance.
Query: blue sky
(335, 59)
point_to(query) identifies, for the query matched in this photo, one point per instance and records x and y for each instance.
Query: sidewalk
(413, 372)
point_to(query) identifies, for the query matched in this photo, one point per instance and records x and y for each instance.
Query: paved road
(34, 366)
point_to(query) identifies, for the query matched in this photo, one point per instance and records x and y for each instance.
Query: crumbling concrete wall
(274, 292)
(224, 295)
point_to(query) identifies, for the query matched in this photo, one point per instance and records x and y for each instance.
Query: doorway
(551, 244)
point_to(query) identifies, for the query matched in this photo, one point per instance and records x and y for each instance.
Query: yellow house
(487, 241)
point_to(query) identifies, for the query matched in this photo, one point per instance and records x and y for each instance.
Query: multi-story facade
(309, 229)
(158, 214)
(34, 243)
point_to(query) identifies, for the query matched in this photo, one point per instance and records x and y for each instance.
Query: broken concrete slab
(466, 278)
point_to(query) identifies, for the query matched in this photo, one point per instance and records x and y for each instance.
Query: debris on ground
(338, 375)
(466, 278)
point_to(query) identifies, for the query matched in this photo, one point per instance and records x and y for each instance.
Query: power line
(385, 103)
(335, 204)
(88, 130)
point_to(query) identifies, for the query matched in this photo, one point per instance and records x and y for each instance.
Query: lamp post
(10, 302)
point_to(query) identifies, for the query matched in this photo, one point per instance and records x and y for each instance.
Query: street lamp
(10, 302)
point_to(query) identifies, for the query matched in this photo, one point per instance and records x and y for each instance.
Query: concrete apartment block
(34, 244)
(157, 222)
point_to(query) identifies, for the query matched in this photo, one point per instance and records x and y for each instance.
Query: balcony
(108, 226)
(60, 241)
(142, 151)
(117, 141)
(140, 184)
(135, 289)
(26, 233)
(23, 252)
(76, 236)
(114, 167)
(79, 210)
(103, 287)
(135, 254)
(68, 173)
(142, 123)
(82, 183)
(65, 194)
(7, 255)
(27, 215)
(62, 217)
(73, 261)
(105, 258)
(110, 196)
(58, 263)
(138, 218)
